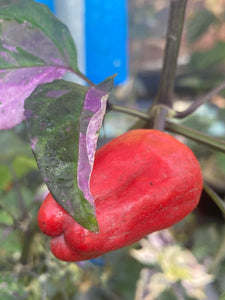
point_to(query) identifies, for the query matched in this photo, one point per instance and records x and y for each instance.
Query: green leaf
(23, 164)
(199, 24)
(5, 177)
(33, 36)
(11, 288)
(220, 158)
(209, 58)
(5, 218)
(11, 146)
(58, 124)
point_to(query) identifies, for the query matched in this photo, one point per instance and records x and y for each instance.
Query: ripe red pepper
(142, 181)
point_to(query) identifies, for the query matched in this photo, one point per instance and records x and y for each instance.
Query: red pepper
(142, 181)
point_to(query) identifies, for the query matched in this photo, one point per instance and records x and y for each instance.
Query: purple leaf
(16, 86)
(90, 124)
(35, 48)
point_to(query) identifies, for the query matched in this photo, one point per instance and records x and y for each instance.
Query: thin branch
(164, 95)
(197, 136)
(174, 31)
(28, 237)
(129, 111)
(218, 201)
(89, 82)
(192, 134)
(18, 191)
(197, 103)
(82, 76)
(217, 260)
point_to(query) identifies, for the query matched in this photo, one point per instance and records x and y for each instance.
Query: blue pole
(106, 39)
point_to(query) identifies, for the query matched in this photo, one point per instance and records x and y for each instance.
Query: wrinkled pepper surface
(142, 181)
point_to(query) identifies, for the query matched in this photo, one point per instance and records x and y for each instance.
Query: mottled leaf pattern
(64, 120)
(35, 48)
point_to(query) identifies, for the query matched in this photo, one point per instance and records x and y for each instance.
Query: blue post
(106, 39)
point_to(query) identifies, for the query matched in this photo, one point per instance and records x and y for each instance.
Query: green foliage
(221, 161)
(5, 177)
(56, 144)
(23, 165)
(11, 288)
(199, 23)
(31, 17)
(12, 145)
(16, 159)
(207, 59)
(64, 120)
(222, 297)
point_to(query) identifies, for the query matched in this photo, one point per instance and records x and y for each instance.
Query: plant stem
(200, 101)
(218, 258)
(218, 201)
(17, 187)
(192, 134)
(174, 31)
(160, 118)
(166, 85)
(82, 76)
(167, 79)
(129, 111)
(195, 135)
(27, 240)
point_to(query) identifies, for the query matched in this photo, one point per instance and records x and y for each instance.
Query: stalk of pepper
(142, 181)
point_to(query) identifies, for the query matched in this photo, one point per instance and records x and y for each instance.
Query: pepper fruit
(142, 181)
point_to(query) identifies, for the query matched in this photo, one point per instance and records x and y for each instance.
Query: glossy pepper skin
(142, 181)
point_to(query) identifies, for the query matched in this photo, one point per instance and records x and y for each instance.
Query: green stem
(218, 201)
(129, 111)
(27, 240)
(192, 134)
(18, 190)
(195, 135)
(89, 82)
(164, 95)
(82, 76)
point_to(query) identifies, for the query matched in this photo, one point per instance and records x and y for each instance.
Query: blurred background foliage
(184, 262)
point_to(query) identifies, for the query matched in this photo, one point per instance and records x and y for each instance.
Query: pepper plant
(64, 118)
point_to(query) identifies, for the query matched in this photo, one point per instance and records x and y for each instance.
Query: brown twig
(197, 103)
(173, 38)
